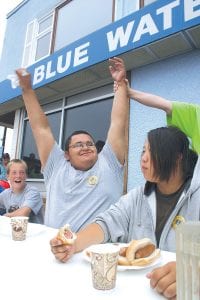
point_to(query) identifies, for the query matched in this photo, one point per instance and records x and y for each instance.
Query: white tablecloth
(28, 270)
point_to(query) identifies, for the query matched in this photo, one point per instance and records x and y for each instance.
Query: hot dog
(66, 235)
(139, 253)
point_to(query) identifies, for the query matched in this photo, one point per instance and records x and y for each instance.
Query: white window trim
(34, 38)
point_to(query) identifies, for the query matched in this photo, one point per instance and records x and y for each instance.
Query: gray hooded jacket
(134, 215)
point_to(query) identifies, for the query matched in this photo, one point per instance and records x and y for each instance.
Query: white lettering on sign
(146, 25)
(192, 9)
(167, 13)
(60, 67)
(63, 64)
(120, 37)
(38, 74)
(80, 56)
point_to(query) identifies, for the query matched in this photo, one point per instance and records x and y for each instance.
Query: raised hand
(117, 69)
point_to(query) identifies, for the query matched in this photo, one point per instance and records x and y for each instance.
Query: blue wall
(176, 79)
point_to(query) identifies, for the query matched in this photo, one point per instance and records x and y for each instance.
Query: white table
(28, 270)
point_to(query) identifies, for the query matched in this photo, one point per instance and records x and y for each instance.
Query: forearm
(39, 124)
(151, 100)
(91, 234)
(35, 113)
(23, 211)
(119, 119)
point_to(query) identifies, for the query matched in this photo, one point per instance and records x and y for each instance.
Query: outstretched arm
(39, 123)
(120, 108)
(91, 234)
(151, 100)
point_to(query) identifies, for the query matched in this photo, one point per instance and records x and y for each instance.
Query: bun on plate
(138, 253)
(66, 235)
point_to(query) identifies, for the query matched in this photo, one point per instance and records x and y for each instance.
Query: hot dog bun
(139, 249)
(66, 235)
(139, 253)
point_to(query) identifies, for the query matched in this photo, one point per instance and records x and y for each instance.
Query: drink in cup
(104, 260)
(19, 228)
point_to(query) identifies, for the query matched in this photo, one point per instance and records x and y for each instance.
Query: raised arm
(151, 100)
(39, 123)
(119, 115)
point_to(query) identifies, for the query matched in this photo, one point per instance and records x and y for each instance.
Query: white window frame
(32, 42)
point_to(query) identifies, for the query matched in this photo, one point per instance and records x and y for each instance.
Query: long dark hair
(168, 147)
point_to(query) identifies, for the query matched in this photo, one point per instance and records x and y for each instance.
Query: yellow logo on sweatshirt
(177, 221)
(93, 180)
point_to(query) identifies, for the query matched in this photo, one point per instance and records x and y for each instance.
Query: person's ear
(67, 155)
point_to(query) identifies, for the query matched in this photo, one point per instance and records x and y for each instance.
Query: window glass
(125, 7)
(29, 150)
(77, 18)
(45, 24)
(42, 46)
(146, 2)
(43, 37)
(93, 117)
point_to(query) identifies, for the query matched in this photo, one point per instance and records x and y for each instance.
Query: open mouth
(17, 181)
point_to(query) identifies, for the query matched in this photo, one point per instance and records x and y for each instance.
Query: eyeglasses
(81, 144)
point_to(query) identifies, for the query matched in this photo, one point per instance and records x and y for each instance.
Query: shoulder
(31, 189)
(185, 106)
(5, 193)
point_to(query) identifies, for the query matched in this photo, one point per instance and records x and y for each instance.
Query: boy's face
(82, 152)
(17, 176)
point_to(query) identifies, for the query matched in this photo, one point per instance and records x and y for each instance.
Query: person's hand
(163, 279)
(24, 79)
(62, 252)
(117, 69)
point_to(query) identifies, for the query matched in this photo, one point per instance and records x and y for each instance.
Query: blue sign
(156, 21)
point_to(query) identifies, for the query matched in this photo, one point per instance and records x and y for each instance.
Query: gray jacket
(134, 215)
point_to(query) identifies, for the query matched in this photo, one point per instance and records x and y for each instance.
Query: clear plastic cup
(188, 261)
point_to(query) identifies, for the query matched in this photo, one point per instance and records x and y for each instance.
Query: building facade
(66, 47)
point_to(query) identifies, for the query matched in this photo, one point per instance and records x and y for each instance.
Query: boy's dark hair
(168, 147)
(68, 140)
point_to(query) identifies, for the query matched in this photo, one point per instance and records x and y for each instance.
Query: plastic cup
(188, 261)
(19, 228)
(104, 260)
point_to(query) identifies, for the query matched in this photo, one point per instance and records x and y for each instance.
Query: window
(38, 40)
(125, 7)
(93, 117)
(29, 150)
(146, 2)
(76, 19)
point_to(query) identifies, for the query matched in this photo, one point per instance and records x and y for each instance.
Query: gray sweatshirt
(134, 215)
